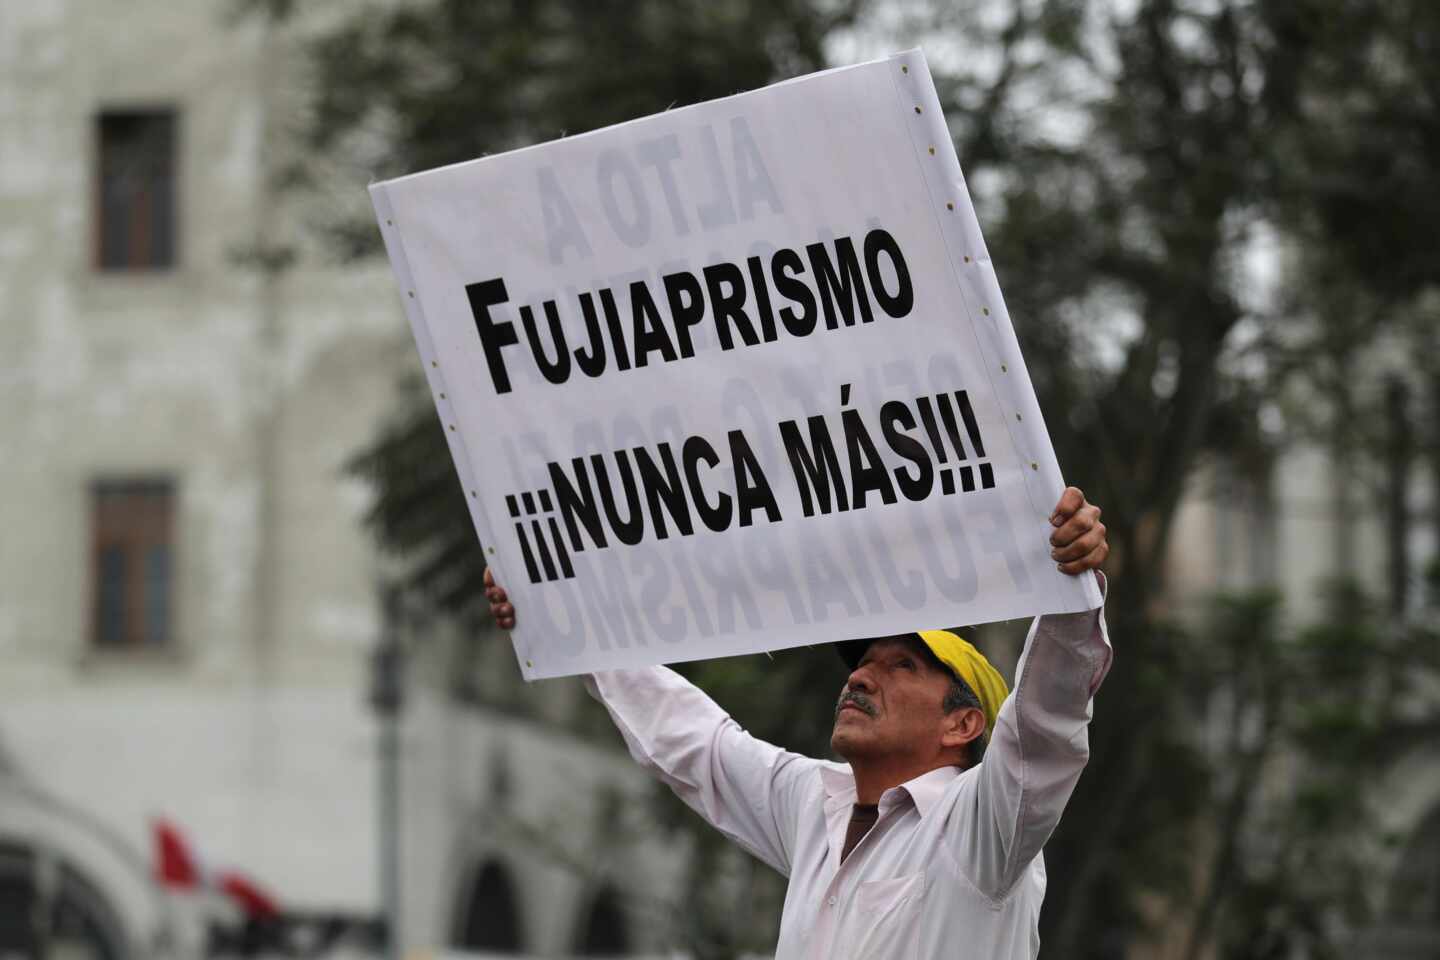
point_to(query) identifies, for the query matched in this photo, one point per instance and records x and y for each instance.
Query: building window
(489, 919)
(135, 224)
(605, 932)
(132, 522)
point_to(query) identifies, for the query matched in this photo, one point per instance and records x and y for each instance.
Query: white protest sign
(733, 377)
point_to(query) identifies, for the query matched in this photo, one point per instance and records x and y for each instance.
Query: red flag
(174, 865)
(177, 868)
(257, 904)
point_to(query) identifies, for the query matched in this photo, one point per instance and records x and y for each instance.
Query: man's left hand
(1078, 543)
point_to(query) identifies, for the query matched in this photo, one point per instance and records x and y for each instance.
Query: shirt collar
(838, 781)
(925, 790)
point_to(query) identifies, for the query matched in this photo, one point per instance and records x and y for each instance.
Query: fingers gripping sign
(1078, 543)
(500, 607)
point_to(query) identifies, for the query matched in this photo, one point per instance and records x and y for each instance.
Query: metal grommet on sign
(985, 310)
(932, 151)
(389, 223)
(412, 294)
(949, 205)
(442, 394)
(1004, 369)
(452, 428)
(904, 69)
(1034, 465)
(1018, 417)
(529, 664)
(434, 364)
(967, 259)
(917, 109)
(474, 494)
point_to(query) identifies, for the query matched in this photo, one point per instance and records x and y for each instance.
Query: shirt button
(831, 901)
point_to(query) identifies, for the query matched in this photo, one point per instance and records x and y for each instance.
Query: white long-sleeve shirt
(952, 868)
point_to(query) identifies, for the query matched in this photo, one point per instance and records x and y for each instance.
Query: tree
(1192, 125)
(1359, 155)
(1142, 215)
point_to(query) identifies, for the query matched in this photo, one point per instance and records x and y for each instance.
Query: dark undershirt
(862, 818)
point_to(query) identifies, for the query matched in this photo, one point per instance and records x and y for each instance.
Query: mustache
(859, 700)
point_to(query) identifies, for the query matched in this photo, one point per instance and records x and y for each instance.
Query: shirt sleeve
(748, 789)
(1036, 752)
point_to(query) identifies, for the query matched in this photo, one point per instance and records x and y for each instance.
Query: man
(914, 848)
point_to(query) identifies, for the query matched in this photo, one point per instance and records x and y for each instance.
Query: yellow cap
(970, 665)
(960, 656)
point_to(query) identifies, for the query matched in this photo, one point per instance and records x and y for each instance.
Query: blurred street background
(249, 705)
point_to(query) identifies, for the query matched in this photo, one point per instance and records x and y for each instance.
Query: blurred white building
(187, 600)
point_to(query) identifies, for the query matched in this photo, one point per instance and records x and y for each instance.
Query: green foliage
(1305, 869)
(421, 514)
(1360, 155)
(419, 85)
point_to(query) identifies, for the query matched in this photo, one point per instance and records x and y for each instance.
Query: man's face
(892, 704)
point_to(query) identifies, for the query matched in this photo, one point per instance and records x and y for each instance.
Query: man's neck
(873, 779)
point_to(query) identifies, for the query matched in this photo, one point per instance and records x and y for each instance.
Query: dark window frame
(132, 564)
(136, 173)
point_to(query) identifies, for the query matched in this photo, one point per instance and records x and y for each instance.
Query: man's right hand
(500, 607)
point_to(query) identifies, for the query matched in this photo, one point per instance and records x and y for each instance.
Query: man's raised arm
(748, 789)
(1041, 741)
